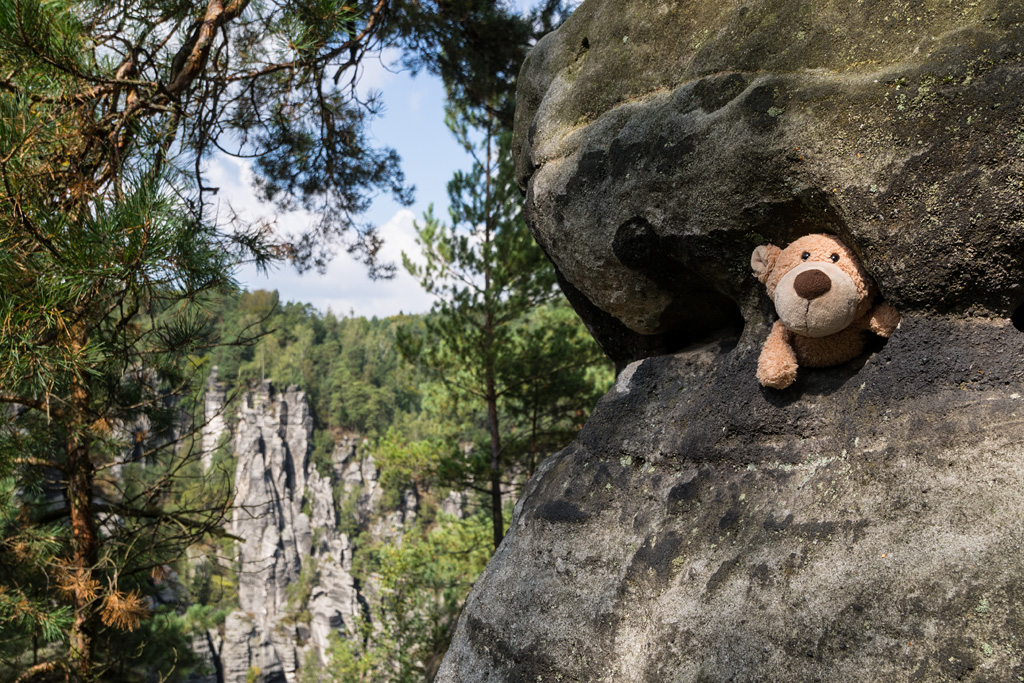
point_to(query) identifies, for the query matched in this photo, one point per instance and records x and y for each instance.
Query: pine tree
(112, 247)
(109, 253)
(485, 338)
(102, 314)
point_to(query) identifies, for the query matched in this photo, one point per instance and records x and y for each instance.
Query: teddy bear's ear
(763, 260)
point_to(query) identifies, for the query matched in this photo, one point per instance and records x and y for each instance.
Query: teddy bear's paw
(884, 320)
(776, 373)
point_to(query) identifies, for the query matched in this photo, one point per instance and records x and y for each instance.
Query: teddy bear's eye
(834, 257)
(806, 255)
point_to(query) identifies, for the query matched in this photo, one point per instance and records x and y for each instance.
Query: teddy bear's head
(817, 284)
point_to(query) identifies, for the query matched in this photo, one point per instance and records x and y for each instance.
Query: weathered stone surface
(214, 425)
(359, 477)
(285, 512)
(334, 600)
(272, 443)
(660, 142)
(206, 648)
(864, 525)
(247, 653)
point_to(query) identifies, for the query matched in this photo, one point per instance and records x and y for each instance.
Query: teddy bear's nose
(811, 284)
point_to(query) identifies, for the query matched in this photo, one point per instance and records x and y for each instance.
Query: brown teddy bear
(825, 303)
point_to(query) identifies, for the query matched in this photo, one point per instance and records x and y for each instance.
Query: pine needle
(77, 582)
(124, 611)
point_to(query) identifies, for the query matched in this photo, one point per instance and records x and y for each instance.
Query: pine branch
(40, 670)
(193, 55)
(158, 515)
(375, 16)
(36, 462)
(33, 403)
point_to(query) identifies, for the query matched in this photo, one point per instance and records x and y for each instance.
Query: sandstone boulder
(659, 142)
(865, 524)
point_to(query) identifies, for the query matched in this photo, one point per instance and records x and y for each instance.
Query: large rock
(660, 142)
(296, 590)
(272, 445)
(864, 524)
(295, 585)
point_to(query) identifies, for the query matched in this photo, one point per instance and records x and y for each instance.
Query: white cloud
(345, 288)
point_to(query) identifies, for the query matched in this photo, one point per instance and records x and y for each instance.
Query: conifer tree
(112, 244)
(109, 247)
(486, 338)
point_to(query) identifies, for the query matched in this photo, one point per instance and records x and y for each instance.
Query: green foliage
(323, 452)
(475, 46)
(353, 659)
(510, 354)
(405, 465)
(425, 439)
(57, 32)
(297, 593)
(106, 266)
(161, 643)
(143, 80)
(116, 280)
(350, 368)
(348, 523)
(422, 583)
(26, 605)
(558, 377)
(212, 587)
(200, 617)
(102, 315)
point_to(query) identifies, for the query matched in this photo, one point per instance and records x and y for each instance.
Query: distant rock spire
(214, 424)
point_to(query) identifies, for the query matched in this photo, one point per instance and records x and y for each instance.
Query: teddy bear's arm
(883, 320)
(777, 366)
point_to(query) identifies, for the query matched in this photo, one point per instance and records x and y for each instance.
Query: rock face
(295, 585)
(864, 524)
(660, 142)
(294, 567)
(214, 425)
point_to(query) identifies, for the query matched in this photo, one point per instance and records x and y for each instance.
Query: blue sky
(413, 124)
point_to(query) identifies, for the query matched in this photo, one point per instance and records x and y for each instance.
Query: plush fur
(826, 303)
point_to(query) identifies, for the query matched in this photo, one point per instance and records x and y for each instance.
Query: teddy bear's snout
(811, 284)
(816, 299)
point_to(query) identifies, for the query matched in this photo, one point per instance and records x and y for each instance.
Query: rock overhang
(659, 143)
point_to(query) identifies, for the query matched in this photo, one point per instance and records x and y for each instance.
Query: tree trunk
(489, 350)
(84, 541)
(492, 427)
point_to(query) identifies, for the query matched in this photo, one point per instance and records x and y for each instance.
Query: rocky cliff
(295, 586)
(864, 524)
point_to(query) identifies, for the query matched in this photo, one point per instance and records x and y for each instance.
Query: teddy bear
(825, 302)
